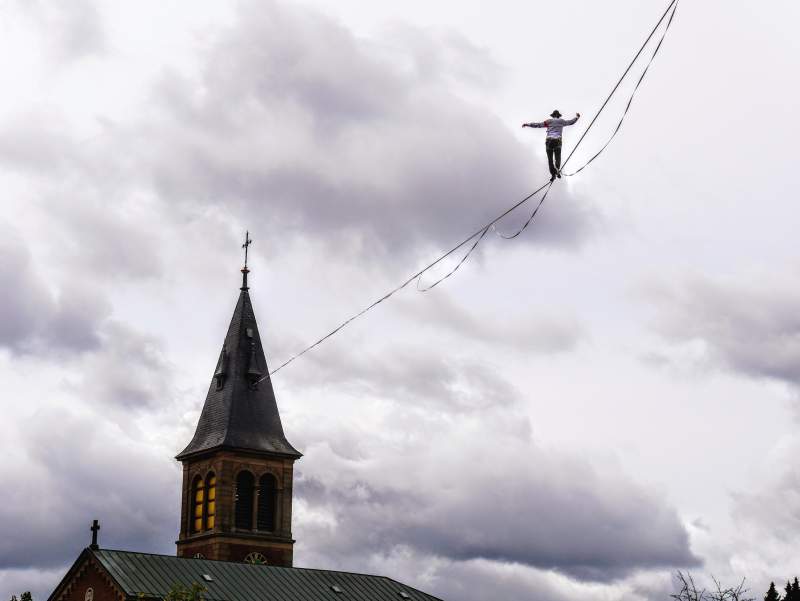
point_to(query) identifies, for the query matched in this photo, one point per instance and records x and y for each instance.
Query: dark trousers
(553, 147)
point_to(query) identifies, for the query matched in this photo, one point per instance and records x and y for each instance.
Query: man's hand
(526, 125)
(578, 115)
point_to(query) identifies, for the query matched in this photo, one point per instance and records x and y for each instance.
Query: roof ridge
(222, 561)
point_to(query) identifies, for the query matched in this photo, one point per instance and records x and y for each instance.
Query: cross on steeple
(247, 242)
(95, 527)
(246, 246)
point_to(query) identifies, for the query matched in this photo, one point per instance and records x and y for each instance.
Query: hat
(555, 114)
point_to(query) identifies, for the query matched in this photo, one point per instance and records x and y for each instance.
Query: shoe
(558, 174)
(552, 177)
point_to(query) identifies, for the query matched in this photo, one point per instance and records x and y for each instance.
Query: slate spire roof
(240, 412)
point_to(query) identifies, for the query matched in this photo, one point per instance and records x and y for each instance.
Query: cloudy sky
(608, 398)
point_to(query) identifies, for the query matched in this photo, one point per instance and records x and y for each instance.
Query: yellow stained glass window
(211, 507)
(199, 497)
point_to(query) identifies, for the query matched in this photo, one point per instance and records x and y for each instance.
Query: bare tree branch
(690, 592)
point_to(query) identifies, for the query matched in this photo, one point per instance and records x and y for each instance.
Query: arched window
(211, 500)
(255, 559)
(197, 502)
(245, 489)
(267, 502)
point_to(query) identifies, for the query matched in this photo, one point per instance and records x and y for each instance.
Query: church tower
(237, 470)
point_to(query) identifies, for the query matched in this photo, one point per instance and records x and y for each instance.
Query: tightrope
(479, 234)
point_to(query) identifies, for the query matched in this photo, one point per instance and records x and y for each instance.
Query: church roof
(152, 577)
(240, 411)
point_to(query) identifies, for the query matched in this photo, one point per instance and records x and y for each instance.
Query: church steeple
(237, 484)
(240, 411)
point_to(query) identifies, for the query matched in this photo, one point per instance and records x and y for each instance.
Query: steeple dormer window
(222, 370)
(254, 374)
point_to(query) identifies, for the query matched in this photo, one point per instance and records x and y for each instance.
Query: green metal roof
(155, 575)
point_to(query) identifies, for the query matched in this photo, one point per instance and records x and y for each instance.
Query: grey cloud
(766, 509)
(32, 319)
(40, 582)
(307, 129)
(482, 580)
(479, 580)
(72, 30)
(34, 142)
(446, 56)
(442, 378)
(42, 141)
(69, 470)
(534, 330)
(773, 511)
(110, 363)
(25, 298)
(74, 324)
(129, 371)
(499, 497)
(103, 225)
(541, 510)
(414, 376)
(103, 237)
(751, 330)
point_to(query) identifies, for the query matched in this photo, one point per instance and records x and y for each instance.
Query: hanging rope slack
(459, 264)
(531, 218)
(479, 234)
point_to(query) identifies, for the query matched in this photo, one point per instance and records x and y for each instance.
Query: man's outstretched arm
(542, 124)
(572, 121)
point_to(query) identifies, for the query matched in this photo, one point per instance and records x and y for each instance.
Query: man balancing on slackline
(553, 141)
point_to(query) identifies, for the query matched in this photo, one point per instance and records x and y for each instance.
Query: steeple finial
(247, 242)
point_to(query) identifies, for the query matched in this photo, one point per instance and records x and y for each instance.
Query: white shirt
(554, 126)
